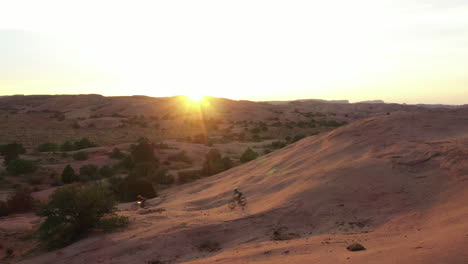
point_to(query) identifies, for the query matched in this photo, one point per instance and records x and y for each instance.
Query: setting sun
(194, 97)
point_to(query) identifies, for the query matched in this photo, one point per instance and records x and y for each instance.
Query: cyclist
(141, 200)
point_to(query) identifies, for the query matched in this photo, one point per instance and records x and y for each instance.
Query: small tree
(20, 202)
(215, 163)
(81, 155)
(68, 175)
(72, 211)
(127, 189)
(47, 147)
(117, 154)
(84, 143)
(106, 171)
(144, 152)
(20, 166)
(89, 172)
(67, 146)
(248, 155)
(11, 151)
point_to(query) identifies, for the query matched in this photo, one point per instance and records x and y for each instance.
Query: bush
(278, 144)
(256, 138)
(35, 179)
(84, 143)
(3, 208)
(160, 176)
(77, 145)
(117, 154)
(126, 163)
(68, 175)
(20, 166)
(11, 151)
(20, 202)
(89, 173)
(180, 156)
(298, 137)
(71, 212)
(188, 176)
(144, 169)
(127, 189)
(47, 147)
(214, 163)
(248, 155)
(143, 152)
(81, 155)
(106, 171)
(67, 146)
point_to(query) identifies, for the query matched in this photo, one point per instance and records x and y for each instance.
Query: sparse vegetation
(89, 173)
(20, 166)
(215, 163)
(80, 155)
(11, 151)
(77, 145)
(47, 147)
(117, 154)
(69, 175)
(72, 211)
(20, 202)
(180, 156)
(248, 155)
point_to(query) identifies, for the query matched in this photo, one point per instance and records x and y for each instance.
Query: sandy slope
(397, 184)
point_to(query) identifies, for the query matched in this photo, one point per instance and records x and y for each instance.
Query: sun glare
(196, 98)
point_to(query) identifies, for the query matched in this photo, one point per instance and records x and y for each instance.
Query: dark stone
(355, 247)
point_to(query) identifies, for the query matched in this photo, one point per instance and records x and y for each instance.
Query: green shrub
(126, 163)
(20, 202)
(278, 144)
(69, 175)
(117, 154)
(77, 145)
(106, 171)
(71, 212)
(188, 176)
(20, 166)
(89, 173)
(298, 137)
(248, 155)
(11, 151)
(160, 176)
(256, 138)
(127, 189)
(81, 155)
(180, 156)
(67, 146)
(214, 163)
(3, 208)
(143, 152)
(144, 169)
(47, 147)
(84, 143)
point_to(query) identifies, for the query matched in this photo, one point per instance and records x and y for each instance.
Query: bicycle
(242, 202)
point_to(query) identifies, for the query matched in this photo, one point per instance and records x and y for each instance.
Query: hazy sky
(413, 51)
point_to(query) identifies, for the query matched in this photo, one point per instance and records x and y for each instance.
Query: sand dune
(396, 184)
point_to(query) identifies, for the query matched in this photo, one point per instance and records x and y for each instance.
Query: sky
(403, 51)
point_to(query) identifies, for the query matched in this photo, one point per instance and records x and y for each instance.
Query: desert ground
(390, 177)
